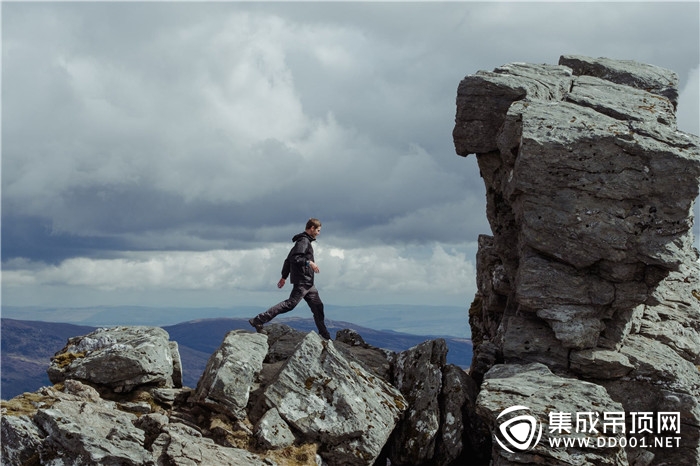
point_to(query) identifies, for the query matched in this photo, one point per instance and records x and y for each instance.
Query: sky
(165, 153)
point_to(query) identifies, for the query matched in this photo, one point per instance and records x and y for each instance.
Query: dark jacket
(297, 261)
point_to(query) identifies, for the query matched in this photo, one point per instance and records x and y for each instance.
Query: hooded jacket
(297, 261)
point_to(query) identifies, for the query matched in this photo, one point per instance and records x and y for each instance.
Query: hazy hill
(27, 346)
(414, 319)
(26, 349)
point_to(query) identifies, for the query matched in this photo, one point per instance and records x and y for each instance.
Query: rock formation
(590, 274)
(586, 324)
(282, 397)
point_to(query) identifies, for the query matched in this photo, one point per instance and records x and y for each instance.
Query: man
(300, 264)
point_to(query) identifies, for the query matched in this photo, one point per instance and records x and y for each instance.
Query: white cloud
(386, 269)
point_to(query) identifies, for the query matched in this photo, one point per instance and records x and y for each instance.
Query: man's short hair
(313, 223)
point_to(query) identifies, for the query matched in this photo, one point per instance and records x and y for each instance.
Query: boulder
(272, 432)
(75, 426)
(376, 360)
(119, 358)
(181, 445)
(457, 399)
(226, 382)
(94, 433)
(70, 426)
(418, 374)
(282, 341)
(554, 403)
(336, 402)
(21, 439)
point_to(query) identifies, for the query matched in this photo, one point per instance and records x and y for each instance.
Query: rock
(528, 339)
(613, 189)
(21, 440)
(457, 399)
(180, 445)
(672, 315)
(335, 402)
(282, 341)
(600, 364)
(151, 424)
(118, 358)
(376, 360)
(227, 380)
(484, 98)
(177, 364)
(649, 78)
(350, 337)
(540, 393)
(640, 393)
(418, 374)
(272, 432)
(93, 433)
(168, 397)
(621, 102)
(312, 402)
(591, 269)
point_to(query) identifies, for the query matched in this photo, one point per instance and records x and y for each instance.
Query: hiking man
(301, 266)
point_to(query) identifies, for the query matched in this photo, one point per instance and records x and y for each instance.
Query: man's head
(313, 227)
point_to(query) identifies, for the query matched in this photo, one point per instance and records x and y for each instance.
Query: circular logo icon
(518, 429)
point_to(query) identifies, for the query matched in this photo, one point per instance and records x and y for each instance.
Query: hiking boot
(256, 324)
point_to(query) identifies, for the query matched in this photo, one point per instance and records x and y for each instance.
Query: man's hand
(280, 283)
(314, 267)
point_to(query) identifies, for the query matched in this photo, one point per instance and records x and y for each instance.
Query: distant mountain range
(415, 319)
(27, 346)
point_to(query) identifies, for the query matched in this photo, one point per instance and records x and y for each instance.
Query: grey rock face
(95, 433)
(21, 439)
(590, 270)
(181, 445)
(418, 374)
(475, 131)
(633, 74)
(272, 432)
(439, 426)
(330, 399)
(119, 358)
(73, 427)
(534, 387)
(227, 380)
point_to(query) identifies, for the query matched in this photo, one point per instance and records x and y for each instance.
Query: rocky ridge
(281, 397)
(589, 283)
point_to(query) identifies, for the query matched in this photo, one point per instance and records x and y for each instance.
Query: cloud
(415, 273)
(143, 138)
(230, 130)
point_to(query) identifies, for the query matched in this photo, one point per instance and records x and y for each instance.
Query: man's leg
(280, 308)
(314, 301)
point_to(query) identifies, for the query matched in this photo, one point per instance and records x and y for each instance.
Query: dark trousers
(299, 292)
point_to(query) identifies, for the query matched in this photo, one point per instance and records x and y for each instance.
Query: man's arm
(285, 268)
(313, 265)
